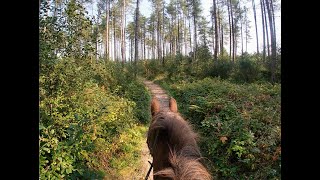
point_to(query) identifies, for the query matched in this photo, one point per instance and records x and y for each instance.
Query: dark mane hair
(173, 145)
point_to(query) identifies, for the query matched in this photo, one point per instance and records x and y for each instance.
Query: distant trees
(179, 27)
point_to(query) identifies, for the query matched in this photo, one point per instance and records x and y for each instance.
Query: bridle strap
(151, 165)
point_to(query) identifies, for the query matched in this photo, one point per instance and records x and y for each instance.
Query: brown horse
(173, 145)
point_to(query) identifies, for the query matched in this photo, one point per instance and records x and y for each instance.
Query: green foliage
(86, 105)
(150, 68)
(220, 68)
(137, 92)
(239, 125)
(247, 70)
(83, 109)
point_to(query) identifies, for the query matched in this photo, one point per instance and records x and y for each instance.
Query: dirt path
(158, 92)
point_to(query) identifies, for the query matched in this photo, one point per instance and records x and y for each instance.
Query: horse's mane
(173, 128)
(169, 128)
(184, 168)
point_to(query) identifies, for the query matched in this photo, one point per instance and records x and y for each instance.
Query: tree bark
(263, 29)
(255, 23)
(230, 30)
(136, 39)
(107, 28)
(233, 32)
(215, 30)
(273, 43)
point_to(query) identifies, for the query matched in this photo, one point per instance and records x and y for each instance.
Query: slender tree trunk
(241, 40)
(158, 33)
(162, 33)
(230, 30)
(123, 52)
(179, 48)
(233, 33)
(266, 27)
(221, 32)
(247, 36)
(264, 38)
(212, 24)
(190, 35)
(136, 39)
(273, 43)
(107, 28)
(273, 22)
(170, 38)
(114, 38)
(144, 41)
(255, 23)
(215, 30)
(111, 37)
(185, 36)
(153, 41)
(130, 50)
(195, 37)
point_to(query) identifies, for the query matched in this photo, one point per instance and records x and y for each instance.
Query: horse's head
(172, 144)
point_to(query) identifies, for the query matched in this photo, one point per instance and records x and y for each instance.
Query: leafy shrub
(221, 68)
(83, 109)
(239, 126)
(247, 70)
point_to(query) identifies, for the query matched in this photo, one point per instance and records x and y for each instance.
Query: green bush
(247, 70)
(239, 126)
(83, 109)
(220, 68)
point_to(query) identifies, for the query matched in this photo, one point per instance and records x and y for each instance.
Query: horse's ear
(155, 106)
(173, 105)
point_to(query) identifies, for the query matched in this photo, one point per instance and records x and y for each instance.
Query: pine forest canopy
(121, 33)
(177, 10)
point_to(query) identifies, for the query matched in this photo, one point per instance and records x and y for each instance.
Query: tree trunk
(190, 35)
(230, 30)
(162, 32)
(123, 51)
(144, 41)
(264, 38)
(273, 43)
(273, 22)
(212, 24)
(114, 38)
(215, 30)
(195, 37)
(255, 23)
(221, 32)
(233, 33)
(247, 36)
(136, 39)
(266, 27)
(241, 39)
(185, 36)
(107, 28)
(179, 48)
(158, 33)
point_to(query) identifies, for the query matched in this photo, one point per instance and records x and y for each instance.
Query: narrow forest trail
(162, 96)
(158, 92)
